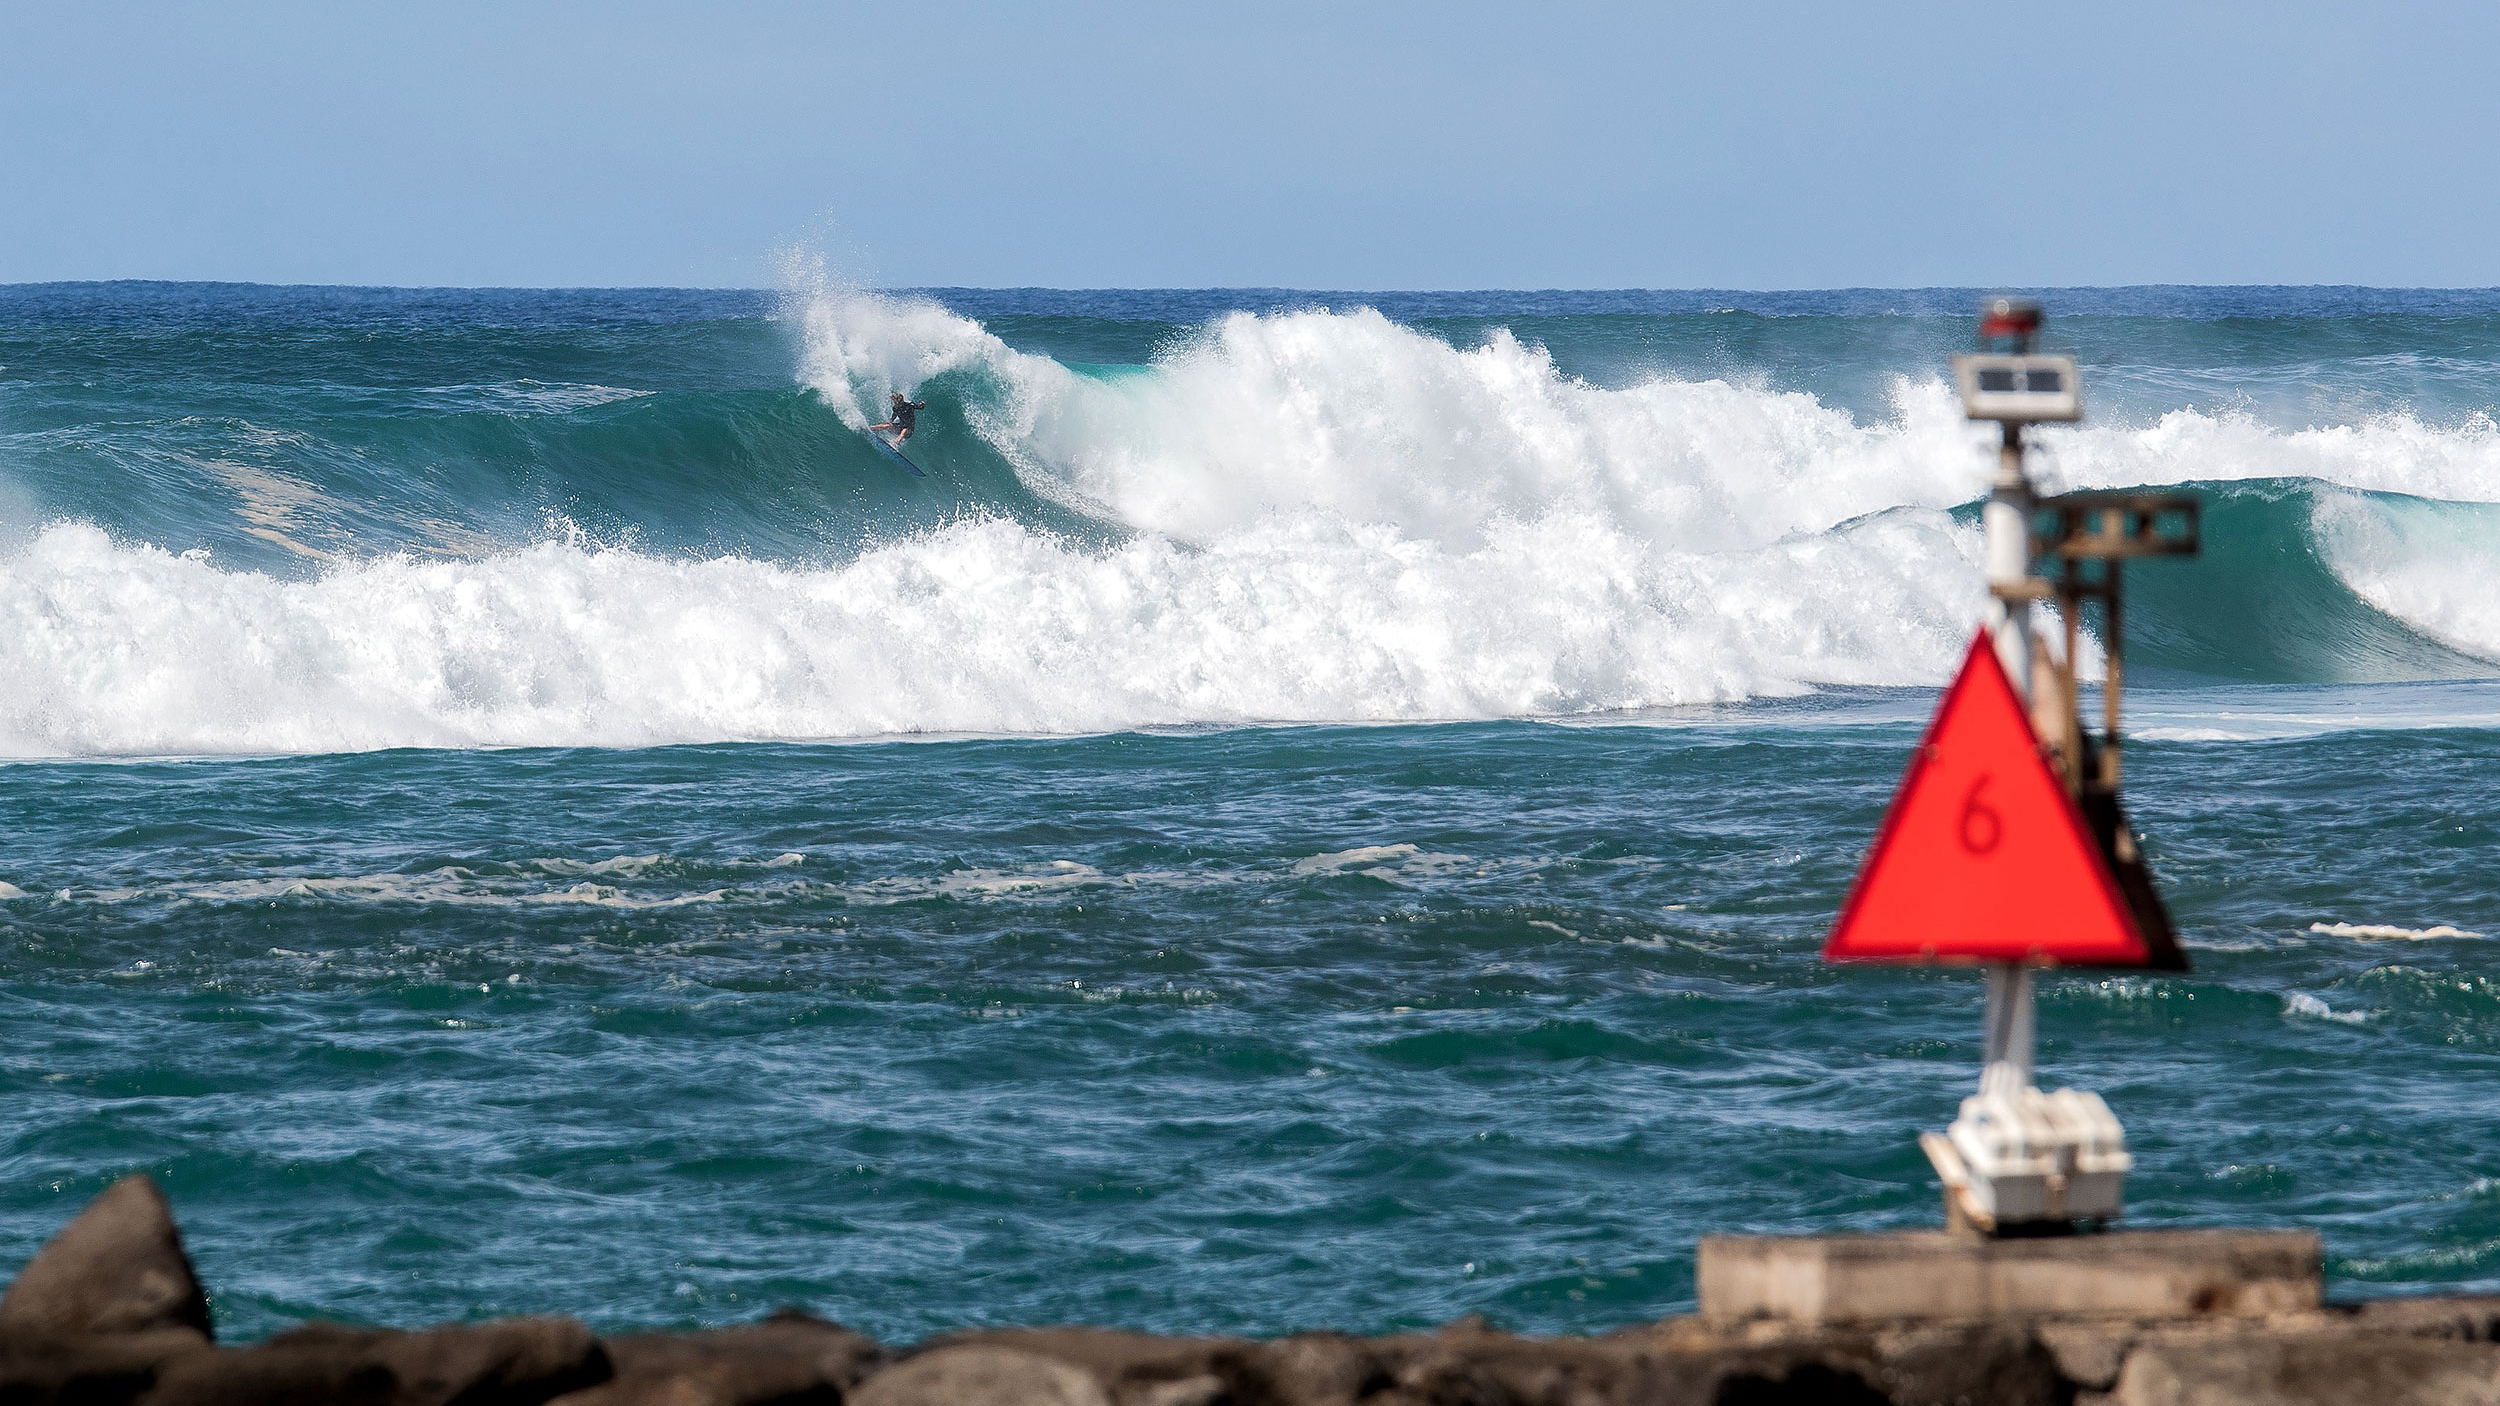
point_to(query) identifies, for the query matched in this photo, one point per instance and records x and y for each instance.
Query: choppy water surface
(1103, 997)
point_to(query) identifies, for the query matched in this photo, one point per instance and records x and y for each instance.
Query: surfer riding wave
(902, 417)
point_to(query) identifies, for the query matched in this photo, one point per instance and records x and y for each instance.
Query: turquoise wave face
(278, 432)
(2295, 584)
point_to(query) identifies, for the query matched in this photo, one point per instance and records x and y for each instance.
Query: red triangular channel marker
(1984, 856)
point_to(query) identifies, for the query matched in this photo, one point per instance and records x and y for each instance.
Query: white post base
(2020, 1156)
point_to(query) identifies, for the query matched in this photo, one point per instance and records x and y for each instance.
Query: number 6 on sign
(1982, 827)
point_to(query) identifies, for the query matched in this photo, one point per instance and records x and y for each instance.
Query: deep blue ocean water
(1319, 811)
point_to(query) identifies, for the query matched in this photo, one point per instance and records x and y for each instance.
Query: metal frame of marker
(2005, 846)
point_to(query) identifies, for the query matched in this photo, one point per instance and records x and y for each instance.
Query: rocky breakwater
(110, 1311)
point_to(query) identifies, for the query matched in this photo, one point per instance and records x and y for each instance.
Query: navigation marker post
(2005, 845)
(2005, 848)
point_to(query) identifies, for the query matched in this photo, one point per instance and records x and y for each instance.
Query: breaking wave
(1302, 516)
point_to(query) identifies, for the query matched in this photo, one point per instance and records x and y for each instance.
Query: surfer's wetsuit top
(905, 412)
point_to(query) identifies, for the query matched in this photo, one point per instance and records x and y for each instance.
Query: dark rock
(1757, 1374)
(513, 1362)
(1139, 1369)
(981, 1374)
(1469, 1364)
(2423, 1355)
(2088, 1354)
(1434, 1376)
(1324, 1369)
(2002, 1364)
(2308, 1370)
(98, 1369)
(1802, 1384)
(117, 1268)
(2474, 1320)
(1206, 1389)
(789, 1359)
(1464, 1365)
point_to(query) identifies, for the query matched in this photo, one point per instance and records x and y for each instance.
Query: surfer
(901, 417)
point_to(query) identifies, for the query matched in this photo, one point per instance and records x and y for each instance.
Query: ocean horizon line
(1524, 290)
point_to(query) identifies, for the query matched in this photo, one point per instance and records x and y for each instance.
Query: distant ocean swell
(1302, 516)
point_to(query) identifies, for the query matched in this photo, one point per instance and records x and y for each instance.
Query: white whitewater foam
(2303, 1004)
(2386, 932)
(2435, 566)
(2256, 713)
(452, 886)
(2387, 454)
(985, 627)
(1040, 880)
(1395, 864)
(2192, 734)
(1350, 416)
(460, 886)
(1336, 860)
(526, 397)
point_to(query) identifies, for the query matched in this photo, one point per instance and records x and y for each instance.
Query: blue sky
(1335, 145)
